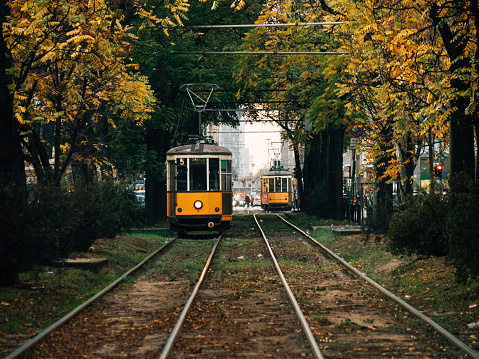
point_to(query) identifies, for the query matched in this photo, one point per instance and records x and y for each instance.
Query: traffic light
(438, 171)
(242, 180)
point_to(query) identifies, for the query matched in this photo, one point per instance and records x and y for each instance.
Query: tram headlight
(198, 204)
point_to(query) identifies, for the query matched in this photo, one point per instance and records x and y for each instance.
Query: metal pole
(199, 123)
(353, 175)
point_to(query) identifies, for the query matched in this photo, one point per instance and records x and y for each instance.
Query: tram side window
(271, 185)
(181, 174)
(284, 184)
(214, 174)
(197, 174)
(226, 175)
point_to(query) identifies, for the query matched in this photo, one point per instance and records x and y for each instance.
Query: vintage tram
(199, 187)
(277, 189)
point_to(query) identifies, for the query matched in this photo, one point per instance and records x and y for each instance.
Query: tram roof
(275, 173)
(199, 148)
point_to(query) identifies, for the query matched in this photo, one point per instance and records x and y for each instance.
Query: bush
(53, 217)
(419, 228)
(105, 209)
(56, 222)
(376, 221)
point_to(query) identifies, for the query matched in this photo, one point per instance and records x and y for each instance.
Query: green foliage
(56, 222)
(53, 218)
(104, 210)
(419, 228)
(430, 225)
(377, 221)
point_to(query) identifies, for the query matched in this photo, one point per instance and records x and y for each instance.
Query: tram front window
(277, 184)
(198, 174)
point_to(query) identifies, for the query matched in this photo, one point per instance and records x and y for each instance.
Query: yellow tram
(277, 189)
(199, 187)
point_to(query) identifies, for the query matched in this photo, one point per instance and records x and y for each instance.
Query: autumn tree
(416, 61)
(301, 82)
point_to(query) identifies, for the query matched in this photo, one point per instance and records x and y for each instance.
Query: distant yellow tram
(277, 189)
(199, 188)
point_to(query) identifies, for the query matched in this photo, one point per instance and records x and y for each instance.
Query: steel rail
(304, 324)
(35, 340)
(454, 340)
(179, 324)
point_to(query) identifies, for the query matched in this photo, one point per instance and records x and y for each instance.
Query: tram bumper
(198, 222)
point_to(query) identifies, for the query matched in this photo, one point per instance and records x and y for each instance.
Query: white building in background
(234, 139)
(254, 147)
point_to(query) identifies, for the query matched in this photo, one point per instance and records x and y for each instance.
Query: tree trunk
(155, 185)
(13, 192)
(323, 172)
(461, 145)
(461, 129)
(12, 167)
(298, 173)
(335, 173)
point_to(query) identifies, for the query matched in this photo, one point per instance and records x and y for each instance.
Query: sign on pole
(357, 130)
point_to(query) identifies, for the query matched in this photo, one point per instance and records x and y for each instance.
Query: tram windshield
(198, 174)
(279, 184)
(202, 174)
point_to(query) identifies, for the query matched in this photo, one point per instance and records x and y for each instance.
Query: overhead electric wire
(249, 25)
(246, 132)
(257, 53)
(252, 109)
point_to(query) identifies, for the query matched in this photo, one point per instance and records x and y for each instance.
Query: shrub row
(56, 222)
(434, 224)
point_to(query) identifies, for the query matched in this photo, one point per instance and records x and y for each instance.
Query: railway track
(352, 308)
(237, 306)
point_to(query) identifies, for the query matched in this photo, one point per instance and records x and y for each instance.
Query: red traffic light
(438, 171)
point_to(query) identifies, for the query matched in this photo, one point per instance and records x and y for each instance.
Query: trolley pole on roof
(199, 103)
